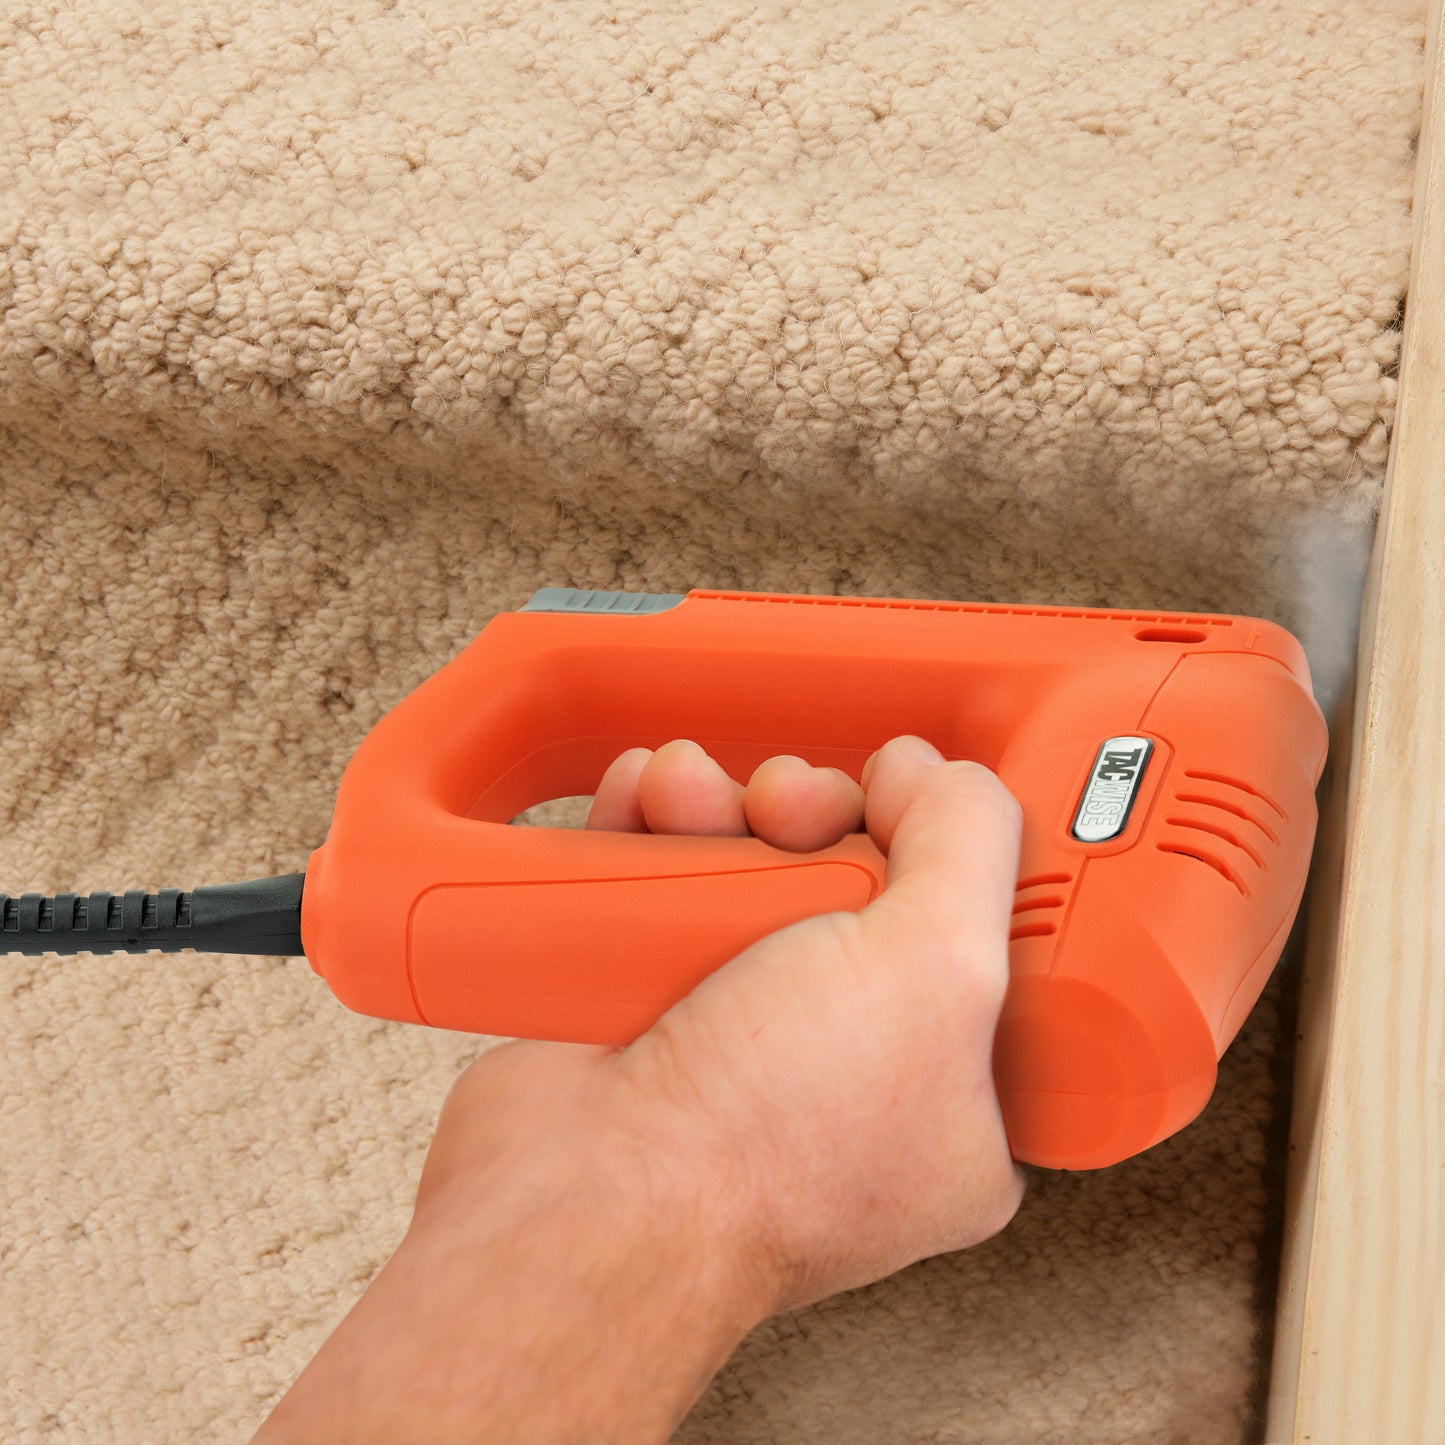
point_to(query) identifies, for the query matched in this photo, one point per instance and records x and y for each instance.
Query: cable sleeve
(260, 916)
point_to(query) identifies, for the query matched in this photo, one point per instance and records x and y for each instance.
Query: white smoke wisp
(1329, 556)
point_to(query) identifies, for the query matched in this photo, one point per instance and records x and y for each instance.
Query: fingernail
(921, 750)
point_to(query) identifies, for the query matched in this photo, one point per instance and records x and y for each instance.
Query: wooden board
(1359, 1354)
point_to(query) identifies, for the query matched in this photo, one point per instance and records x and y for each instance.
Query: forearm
(562, 1303)
(596, 1229)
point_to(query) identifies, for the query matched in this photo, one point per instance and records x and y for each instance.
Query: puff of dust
(1329, 557)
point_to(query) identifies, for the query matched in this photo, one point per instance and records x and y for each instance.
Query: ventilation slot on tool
(1028, 923)
(1200, 826)
(1201, 855)
(1169, 634)
(1041, 880)
(1243, 788)
(1032, 930)
(1247, 815)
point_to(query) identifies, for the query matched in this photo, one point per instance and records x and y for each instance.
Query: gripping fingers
(680, 789)
(616, 806)
(796, 806)
(676, 789)
(683, 790)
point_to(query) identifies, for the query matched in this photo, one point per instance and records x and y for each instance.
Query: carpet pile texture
(329, 331)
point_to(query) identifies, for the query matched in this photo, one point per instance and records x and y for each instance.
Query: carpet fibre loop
(326, 332)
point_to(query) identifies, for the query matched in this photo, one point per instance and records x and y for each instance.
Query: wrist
(575, 1275)
(603, 1155)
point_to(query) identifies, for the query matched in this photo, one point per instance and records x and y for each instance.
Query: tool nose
(1087, 1077)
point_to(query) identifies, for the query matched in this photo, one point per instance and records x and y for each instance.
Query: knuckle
(987, 782)
(989, 973)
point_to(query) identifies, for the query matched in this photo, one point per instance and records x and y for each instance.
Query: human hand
(842, 1067)
(596, 1229)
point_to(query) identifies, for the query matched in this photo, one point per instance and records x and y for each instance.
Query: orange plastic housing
(1134, 958)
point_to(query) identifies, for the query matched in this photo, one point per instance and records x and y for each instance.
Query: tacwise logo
(1113, 784)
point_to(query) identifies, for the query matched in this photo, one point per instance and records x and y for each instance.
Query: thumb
(952, 833)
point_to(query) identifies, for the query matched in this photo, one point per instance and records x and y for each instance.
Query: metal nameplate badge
(1113, 785)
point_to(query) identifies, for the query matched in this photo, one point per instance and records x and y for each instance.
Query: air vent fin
(1242, 786)
(1248, 815)
(1210, 860)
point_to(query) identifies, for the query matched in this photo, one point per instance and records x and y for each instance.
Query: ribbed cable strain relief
(262, 915)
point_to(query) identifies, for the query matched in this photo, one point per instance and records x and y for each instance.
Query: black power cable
(259, 916)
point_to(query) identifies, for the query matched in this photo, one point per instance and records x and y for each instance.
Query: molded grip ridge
(261, 916)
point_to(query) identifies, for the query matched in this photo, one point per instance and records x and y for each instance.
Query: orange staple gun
(1166, 766)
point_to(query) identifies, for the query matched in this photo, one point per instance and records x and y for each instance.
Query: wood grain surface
(1359, 1353)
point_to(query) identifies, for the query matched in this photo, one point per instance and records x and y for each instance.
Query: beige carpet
(329, 330)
